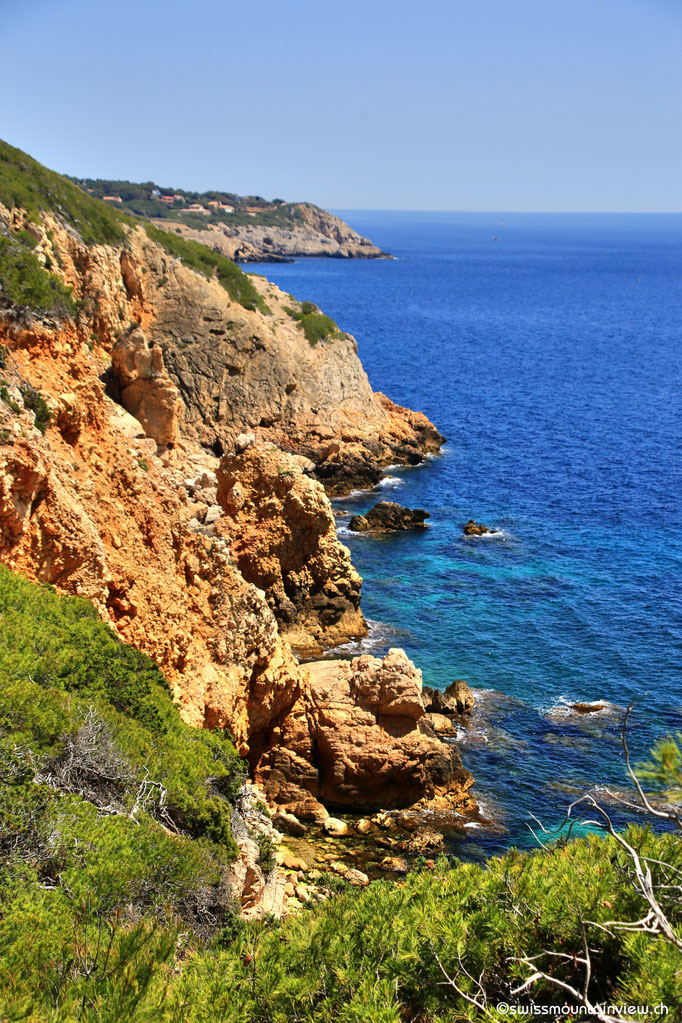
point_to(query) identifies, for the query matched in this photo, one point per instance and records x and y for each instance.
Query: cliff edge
(128, 376)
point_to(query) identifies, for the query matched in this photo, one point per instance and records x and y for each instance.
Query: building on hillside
(112, 198)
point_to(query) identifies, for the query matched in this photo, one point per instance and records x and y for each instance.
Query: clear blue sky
(381, 104)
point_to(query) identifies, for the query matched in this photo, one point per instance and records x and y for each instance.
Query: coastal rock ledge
(369, 747)
(388, 517)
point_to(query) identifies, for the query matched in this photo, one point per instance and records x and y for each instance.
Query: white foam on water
(389, 482)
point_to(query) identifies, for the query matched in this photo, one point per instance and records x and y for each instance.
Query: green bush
(34, 401)
(25, 282)
(315, 325)
(57, 659)
(371, 956)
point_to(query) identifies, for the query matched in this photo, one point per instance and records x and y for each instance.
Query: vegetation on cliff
(115, 841)
(315, 324)
(26, 184)
(111, 808)
(152, 201)
(25, 282)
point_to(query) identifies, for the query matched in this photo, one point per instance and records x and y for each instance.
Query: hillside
(248, 229)
(165, 421)
(170, 771)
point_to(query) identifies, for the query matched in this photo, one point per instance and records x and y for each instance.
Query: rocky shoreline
(314, 232)
(179, 479)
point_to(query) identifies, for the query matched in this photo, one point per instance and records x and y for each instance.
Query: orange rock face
(283, 537)
(367, 747)
(146, 390)
(213, 570)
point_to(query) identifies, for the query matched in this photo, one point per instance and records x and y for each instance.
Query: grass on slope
(26, 183)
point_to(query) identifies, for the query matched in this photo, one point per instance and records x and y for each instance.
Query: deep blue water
(550, 359)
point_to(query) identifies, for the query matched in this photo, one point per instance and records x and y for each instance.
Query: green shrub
(371, 955)
(57, 659)
(315, 325)
(34, 401)
(25, 282)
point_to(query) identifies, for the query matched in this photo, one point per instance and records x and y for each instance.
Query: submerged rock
(587, 708)
(388, 516)
(477, 529)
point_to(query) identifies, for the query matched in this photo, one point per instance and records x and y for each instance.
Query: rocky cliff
(241, 370)
(125, 478)
(314, 232)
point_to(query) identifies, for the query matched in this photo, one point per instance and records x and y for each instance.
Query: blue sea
(547, 349)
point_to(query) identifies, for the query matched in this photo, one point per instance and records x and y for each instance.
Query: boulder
(288, 824)
(356, 878)
(386, 517)
(147, 392)
(369, 751)
(393, 865)
(442, 724)
(473, 528)
(456, 699)
(335, 828)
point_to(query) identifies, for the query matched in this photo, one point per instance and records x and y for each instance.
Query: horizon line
(502, 212)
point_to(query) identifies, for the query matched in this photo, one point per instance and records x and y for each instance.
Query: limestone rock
(386, 517)
(288, 823)
(393, 865)
(242, 373)
(243, 441)
(283, 537)
(147, 392)
(456, 699)
(356, 877)
(369, 752)
(476, 529)
(335, 828)
(441, 724)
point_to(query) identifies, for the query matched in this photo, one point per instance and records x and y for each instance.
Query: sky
(547, 105)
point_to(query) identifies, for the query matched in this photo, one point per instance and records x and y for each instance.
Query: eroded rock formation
(316, 233)
(146, 390)
(283, 538)
(367, 748)
(388, 517)
(242, 371)
(208, 567)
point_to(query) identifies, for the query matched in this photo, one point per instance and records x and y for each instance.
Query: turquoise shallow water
(550, 359)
